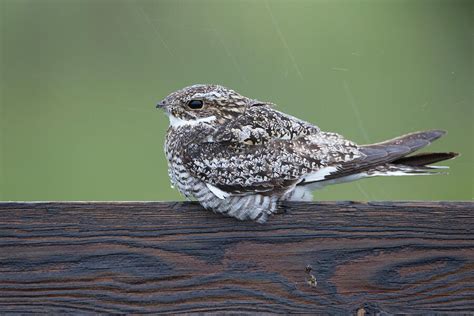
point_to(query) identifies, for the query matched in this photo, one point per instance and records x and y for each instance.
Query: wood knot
(311, 281)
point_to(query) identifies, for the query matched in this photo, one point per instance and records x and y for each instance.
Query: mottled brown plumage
(239, 156)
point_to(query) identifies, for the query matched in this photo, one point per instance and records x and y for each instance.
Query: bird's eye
(195, 104)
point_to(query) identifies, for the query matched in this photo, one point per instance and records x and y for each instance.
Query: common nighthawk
(240, 157)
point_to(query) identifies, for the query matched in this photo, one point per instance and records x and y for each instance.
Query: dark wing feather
(424, 159)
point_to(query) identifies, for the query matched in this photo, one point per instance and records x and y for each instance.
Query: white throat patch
(175, 122)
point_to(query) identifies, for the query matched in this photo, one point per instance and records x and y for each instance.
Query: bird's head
(203, 103)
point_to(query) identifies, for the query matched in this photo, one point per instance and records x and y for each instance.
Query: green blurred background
(80, 80)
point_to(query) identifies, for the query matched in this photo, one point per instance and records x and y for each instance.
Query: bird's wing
(264, 150)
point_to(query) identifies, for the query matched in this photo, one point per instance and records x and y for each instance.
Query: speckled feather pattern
(240, 157)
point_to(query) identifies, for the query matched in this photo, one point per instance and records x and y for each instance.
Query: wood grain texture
(333, 257)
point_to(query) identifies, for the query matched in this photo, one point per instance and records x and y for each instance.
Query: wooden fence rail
(330, 257)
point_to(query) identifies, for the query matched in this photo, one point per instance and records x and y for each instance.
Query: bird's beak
(160, 105)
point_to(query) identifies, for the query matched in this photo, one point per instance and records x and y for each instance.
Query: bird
(242, 158)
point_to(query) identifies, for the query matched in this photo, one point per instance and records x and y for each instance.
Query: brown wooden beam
(328, 257)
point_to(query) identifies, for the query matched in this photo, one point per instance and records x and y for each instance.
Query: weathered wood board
(330, 257)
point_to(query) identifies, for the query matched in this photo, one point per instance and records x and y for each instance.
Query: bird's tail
(412, 164)
(390, 158)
